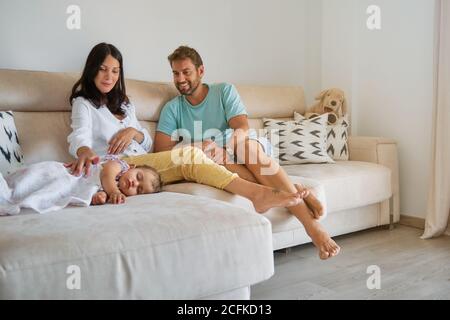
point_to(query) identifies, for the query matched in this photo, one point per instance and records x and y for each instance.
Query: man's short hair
(184, 52)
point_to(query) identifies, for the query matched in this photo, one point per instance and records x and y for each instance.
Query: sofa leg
(391, 213)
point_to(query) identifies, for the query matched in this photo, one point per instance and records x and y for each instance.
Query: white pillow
(298, 142)
(337, 137)
(11, 156)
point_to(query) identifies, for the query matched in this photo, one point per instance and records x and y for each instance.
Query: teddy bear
(331, 101)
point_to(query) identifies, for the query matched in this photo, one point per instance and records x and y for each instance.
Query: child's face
(136, 181)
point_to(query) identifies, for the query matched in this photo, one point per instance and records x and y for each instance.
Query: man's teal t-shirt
(205, 121)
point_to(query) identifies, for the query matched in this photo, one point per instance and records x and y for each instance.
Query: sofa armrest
(382, 151)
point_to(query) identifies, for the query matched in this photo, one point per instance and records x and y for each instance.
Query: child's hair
(156, 183)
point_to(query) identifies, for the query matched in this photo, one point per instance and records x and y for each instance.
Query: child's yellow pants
(188, 163)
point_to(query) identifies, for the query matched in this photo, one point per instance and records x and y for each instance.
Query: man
(214, 117)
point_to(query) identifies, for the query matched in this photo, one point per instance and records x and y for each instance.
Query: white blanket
(46, 186)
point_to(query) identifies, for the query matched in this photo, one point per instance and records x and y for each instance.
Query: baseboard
(414, 222)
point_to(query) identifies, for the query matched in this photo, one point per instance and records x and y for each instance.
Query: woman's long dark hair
(85, 87)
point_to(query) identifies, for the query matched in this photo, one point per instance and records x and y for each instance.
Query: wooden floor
(410, 268)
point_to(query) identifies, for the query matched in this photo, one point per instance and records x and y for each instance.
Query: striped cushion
(11, 155)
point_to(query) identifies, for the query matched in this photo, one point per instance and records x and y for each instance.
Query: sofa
(190, 241)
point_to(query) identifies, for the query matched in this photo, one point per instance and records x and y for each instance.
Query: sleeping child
(49, 186)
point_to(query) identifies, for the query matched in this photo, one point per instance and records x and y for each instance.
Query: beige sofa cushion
(143, 250)
(43, 135)
(340, 186)
(348, 184)
(50, 91)
(280, 218)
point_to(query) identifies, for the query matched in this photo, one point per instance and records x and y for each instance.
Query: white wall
(251, 41)
(388, 75)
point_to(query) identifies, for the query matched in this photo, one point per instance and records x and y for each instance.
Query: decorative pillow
(337, 136)
(11, 156)
(297, 142)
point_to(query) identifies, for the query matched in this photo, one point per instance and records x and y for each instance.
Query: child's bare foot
(272, 197)
(326, 246)
(312, 202)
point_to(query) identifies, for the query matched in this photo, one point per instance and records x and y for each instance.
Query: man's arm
(163, 142)
(241, 127)
(167, 125)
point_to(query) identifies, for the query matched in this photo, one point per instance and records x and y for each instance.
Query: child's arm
(99, 198)
(108, 179)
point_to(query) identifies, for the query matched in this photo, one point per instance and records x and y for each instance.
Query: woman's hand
(86, 158)
(122, 140)
(117, 198)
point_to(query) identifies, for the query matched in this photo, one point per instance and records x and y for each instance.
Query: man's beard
(190, 90)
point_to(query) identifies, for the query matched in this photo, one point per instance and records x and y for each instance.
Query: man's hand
(214, 152)
(207, 145)
(117, 198)
(99, 198)
(122, 140)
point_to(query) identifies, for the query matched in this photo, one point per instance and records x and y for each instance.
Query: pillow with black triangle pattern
(11, 156)
(298, 142)
(337, 137)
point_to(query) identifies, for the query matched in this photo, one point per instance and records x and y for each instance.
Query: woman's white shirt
(94, 128)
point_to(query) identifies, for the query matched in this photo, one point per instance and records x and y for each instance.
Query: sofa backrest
(40, 102)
